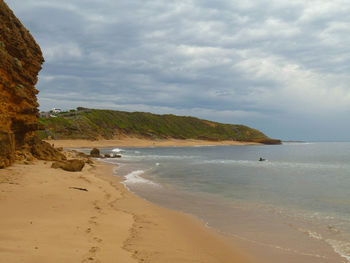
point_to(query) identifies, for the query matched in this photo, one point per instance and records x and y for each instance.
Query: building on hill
(55, 110)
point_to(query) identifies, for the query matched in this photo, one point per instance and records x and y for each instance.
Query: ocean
(292, 207)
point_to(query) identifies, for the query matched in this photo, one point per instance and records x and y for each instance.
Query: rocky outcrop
(267, 141)
(74, 165)
(95, 153)
(20, 62)
(44, 151)
(7, 146)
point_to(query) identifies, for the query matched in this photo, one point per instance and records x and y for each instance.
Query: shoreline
(217, 247)
(44, 219)
(246, 218)
(137, 142)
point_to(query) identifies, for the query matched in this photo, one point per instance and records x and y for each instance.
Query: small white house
(54, 110)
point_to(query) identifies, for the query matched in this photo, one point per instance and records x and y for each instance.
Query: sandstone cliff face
(20, 63)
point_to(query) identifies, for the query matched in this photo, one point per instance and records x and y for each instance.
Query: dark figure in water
(262, 159)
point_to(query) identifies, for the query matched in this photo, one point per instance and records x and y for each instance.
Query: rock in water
(95, 153)
(20, 63)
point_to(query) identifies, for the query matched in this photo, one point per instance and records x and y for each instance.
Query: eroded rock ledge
(20, 63)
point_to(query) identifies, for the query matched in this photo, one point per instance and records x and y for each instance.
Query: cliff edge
(21, 61)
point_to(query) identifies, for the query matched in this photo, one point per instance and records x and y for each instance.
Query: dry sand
(137, 142)
(44, 220)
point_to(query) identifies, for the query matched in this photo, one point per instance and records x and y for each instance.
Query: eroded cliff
(20, 63)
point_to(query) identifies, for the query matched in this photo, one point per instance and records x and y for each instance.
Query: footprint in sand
(98, 240)
(94, 249)
(92, 222)
(91, 260)
(107, 195)
(91, 257)
(96, 206)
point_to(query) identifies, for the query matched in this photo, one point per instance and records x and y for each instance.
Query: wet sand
(258, 231)
(45, 219)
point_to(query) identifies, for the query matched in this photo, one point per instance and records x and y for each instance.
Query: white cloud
(54, 52)
(229, 60)
(318, 9)
(298, 89)
(336, 34)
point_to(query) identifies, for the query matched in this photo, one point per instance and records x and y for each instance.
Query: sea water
(292, 207)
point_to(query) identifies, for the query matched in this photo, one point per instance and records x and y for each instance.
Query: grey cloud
(254, 62)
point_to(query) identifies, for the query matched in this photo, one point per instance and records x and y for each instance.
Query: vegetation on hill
(94, 124)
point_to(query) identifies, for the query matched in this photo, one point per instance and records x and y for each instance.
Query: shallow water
(294, 207)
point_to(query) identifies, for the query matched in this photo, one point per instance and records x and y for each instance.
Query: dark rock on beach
(74, 165)
(95, 153)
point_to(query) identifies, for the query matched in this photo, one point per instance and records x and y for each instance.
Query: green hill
(94, 124)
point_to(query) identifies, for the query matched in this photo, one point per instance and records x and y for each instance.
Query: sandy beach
(138, 142)
(47, 216)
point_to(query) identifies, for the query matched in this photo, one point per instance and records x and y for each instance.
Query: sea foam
(340, 247)
(135, 178)
(117, 150)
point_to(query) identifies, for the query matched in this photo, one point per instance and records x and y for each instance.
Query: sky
(279, 66)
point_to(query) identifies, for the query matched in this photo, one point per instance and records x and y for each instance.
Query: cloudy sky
(280, 66)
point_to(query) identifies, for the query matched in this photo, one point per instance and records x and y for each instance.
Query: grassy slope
(93, 124)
